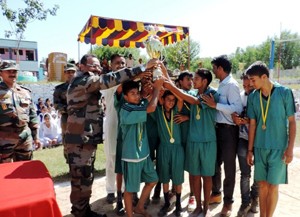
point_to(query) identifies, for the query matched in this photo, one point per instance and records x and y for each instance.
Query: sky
(219, 26)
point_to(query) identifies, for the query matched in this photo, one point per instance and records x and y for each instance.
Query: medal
(198, 112)
(140, 133)
(264, 113)
(170, 129)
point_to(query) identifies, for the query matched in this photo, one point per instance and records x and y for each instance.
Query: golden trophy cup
(154, 48)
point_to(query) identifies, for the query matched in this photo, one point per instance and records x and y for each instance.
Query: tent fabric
(125, 33)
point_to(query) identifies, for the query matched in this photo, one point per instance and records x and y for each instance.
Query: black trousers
(227, 141)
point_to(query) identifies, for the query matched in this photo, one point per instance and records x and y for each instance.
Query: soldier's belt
(12, 129)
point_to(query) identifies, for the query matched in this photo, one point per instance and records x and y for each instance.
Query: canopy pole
(189, 53)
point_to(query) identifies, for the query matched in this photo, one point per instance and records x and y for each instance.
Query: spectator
(49, 132)
(129, 61)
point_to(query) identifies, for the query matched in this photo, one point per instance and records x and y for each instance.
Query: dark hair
(244, 76)
(167, 93)
(115, 56)
(204, 74)
(222, 61)
(258, 68)
(47, 115)
(183, 75)
(129, 85)
(83, 60)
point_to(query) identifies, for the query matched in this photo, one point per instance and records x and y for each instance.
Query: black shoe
(110, 198)
(164, 210)
(147, 203)
(90, 213)
(135, 199)
(120, 209)
(156, 198)
(177, 212)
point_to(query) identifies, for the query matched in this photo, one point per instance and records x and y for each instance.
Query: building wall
(28, 58)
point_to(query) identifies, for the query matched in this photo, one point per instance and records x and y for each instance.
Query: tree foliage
(288, 53)
(177, 54)
(20, 18)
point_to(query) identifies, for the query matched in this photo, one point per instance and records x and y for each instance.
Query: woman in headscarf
(49, 135)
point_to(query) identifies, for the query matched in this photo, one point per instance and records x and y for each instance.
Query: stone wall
(41, 90)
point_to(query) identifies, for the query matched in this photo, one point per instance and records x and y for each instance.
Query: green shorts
(201, 158)
(135, 173)
(269, 166)
(170, 164)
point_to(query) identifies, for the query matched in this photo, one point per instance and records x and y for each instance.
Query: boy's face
(257, 81)
(198, 82)
(133, 96)
(169, 102)
(247, 85)
(186, 83)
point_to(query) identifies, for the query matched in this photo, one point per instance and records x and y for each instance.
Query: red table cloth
(26, 190)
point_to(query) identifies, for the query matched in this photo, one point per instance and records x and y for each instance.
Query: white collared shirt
(230, 100)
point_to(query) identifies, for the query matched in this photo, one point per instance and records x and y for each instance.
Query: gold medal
(198, 112)
(264, 113)
(198, 117)
(170, 129)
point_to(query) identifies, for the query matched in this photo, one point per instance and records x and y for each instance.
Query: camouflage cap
(70, 67)
(8, 65)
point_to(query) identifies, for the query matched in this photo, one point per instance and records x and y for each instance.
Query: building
(28, 54)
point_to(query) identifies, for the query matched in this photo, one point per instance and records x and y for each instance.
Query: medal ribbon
(198, 110)
(170, 131)
(140, 133)
(264, 114)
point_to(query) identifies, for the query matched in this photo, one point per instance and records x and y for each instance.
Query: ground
(288, 205)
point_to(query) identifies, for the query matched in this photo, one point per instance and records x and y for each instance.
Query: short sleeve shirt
(134, 133)
(281, 107)
(203, 130)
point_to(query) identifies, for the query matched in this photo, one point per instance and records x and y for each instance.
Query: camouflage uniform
(60, 104)
(84, 131)
(18, 123)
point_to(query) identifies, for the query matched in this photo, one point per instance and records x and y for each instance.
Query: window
(2, 51)
(30, 55)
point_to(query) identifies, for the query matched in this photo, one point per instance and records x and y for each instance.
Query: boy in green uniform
(272, 131)
(170, 157)
(201, 143)
(137, 166)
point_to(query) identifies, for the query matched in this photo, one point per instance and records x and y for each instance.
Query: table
(26, 190)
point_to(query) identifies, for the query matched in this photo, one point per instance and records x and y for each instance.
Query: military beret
(8, 65)
(70, 67)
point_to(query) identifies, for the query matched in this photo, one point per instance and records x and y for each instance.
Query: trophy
(154, 48)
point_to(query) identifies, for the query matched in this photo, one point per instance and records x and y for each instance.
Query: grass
(56, 164)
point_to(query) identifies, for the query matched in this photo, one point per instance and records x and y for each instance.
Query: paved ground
(288, 205)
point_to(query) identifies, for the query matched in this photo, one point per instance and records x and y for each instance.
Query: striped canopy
(125, 33)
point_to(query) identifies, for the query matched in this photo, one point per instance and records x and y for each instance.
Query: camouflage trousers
(81, 158)
(15, 146)
(63, 135)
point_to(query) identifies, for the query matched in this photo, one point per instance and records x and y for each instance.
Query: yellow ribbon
(140, 132)
(264, 113)
(170, 131)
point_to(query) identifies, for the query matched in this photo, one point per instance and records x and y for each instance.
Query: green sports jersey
(281, 107)
(203, 130)
(134, 133)
(163, 132)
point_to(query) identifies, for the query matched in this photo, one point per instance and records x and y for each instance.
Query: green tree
(289, 50)
(20, 18)
(177, 54)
